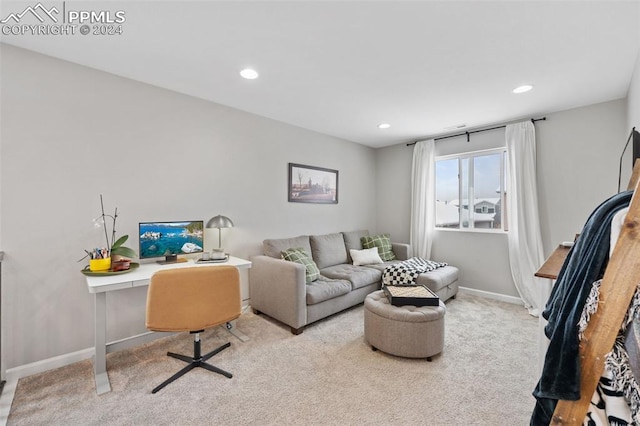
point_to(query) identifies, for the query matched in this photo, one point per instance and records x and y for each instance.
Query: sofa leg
(255, 311)
(296, 331)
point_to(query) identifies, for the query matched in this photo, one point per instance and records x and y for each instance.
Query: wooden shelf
(551, 267)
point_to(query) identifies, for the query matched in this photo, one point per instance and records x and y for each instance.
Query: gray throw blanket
(408, 271)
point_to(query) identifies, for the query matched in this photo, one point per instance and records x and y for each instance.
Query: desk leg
(231, 326)
(100, 358)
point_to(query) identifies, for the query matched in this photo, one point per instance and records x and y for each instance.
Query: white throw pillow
(365, 257)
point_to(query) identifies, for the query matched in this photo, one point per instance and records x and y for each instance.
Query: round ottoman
(407, 331)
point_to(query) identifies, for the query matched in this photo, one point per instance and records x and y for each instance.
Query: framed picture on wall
(310, 184)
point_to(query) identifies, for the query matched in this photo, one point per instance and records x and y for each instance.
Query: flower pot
(97, 265)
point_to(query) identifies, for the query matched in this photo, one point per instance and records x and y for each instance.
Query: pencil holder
(97, 265)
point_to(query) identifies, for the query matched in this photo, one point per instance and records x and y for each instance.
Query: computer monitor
(170, 239)
(635, 155)
(636, 145)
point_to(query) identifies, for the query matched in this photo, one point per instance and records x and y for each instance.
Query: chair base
(195, 361)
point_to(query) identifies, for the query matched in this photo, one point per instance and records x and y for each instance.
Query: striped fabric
(382, 242)
(299, 255)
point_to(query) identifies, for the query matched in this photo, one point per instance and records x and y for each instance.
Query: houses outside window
(470, 191)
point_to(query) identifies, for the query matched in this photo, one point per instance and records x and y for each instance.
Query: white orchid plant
(113, 246)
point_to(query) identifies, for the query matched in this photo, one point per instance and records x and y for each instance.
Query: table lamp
(219, 222)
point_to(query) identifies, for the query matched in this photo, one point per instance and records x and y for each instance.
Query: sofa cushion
(383, 243)
(438, 278)
(298, 255)
(365, 256)
(352, 241)
(328, 250)
(325, 289)
(381, 266)
(359, 276)
(274, 248)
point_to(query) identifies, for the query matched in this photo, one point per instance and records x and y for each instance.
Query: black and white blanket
(407, 271)
(616, 400)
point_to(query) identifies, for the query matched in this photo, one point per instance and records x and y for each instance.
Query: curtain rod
(533, 120)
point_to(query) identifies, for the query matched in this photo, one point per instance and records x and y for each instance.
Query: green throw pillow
(383, 243)
(300, 256)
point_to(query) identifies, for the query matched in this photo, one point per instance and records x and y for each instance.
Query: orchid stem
(113, 233)
(104, 223)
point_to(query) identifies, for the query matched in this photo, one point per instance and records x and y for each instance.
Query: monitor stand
(172, 258)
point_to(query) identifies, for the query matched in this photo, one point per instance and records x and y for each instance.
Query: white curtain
(423, 176)
(525, 244)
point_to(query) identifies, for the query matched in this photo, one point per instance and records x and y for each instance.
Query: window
(470, 190)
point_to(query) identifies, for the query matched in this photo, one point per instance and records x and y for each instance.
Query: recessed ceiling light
(522, 89)
(249, 74)
(456, 127)
(384, 125)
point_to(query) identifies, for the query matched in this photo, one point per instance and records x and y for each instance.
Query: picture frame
(311, 184)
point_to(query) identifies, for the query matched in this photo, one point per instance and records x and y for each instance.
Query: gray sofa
(278, 287)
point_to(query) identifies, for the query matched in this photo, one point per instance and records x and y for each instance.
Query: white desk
(141, 276)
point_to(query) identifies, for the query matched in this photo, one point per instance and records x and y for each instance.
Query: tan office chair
(193, 299)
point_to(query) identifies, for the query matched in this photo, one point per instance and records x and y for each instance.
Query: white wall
(577, 161)
(633, 98)
(71, 133)
(393, 181)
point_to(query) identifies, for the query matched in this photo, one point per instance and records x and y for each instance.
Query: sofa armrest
(401, 250)
(278, 288)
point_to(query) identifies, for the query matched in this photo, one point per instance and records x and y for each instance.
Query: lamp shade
(219, 222)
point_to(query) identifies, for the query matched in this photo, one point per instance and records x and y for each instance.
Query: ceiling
(343, 67)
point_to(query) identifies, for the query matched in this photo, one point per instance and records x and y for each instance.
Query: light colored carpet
(326, 376)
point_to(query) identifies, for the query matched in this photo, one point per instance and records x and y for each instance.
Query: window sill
(474, 230)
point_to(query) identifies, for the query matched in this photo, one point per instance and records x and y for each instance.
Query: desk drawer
(139, 283)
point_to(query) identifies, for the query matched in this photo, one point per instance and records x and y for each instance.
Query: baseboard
(13, 374)
(491, 295)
